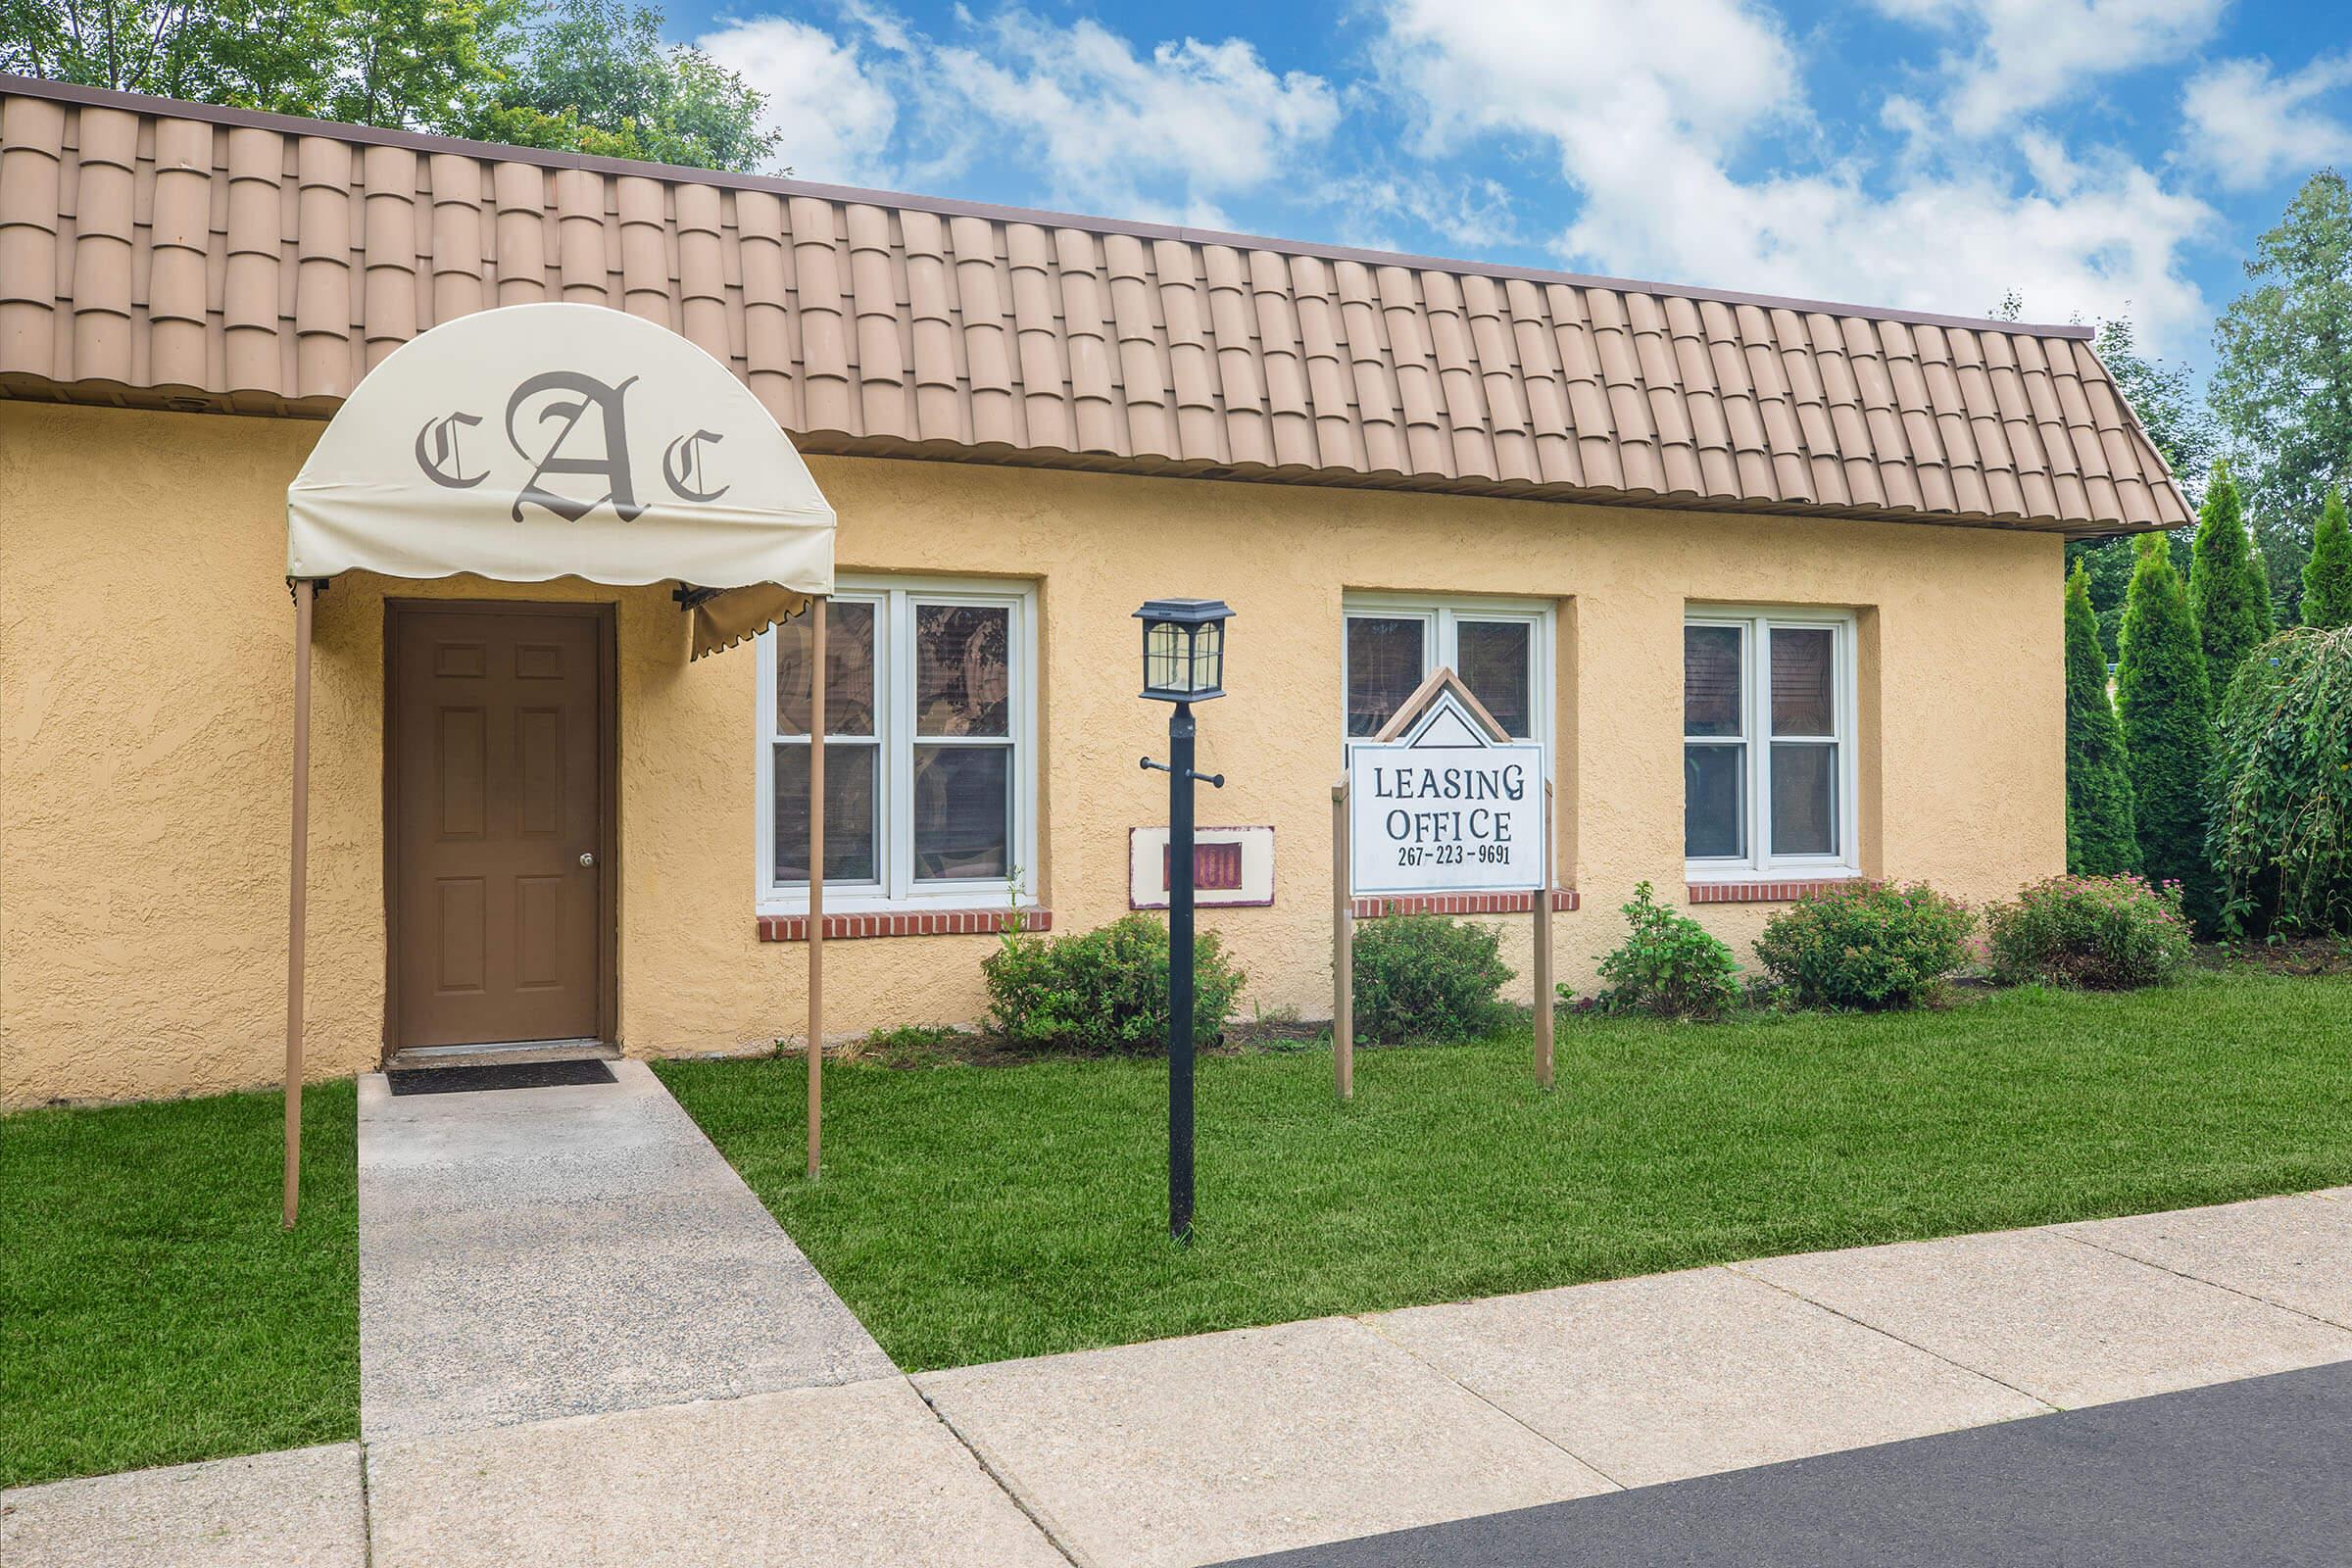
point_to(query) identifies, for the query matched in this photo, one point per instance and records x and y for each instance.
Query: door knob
(586, 858)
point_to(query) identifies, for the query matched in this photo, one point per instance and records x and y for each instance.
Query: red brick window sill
(903, 923)
(1374, 906)
(1763, 892)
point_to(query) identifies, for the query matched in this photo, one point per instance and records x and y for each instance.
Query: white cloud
(836, 112)
(2026, 55)
(2247, 127)
(1186, 125)
(1653, 117)
(1167, 132)
(1472, 213)
(1599, 76)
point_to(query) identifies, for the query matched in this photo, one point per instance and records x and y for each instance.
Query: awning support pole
(298, 892)
(817, 879)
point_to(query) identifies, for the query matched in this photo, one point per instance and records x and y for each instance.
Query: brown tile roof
(164, 254)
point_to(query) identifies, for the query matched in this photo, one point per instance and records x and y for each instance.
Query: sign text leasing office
(1445, 808)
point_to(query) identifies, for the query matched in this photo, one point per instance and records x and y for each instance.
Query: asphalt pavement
(2251, 1474)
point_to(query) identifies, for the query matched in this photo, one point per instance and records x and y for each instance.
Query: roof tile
(150, 249)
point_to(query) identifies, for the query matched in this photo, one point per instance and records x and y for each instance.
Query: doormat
(507, 1075)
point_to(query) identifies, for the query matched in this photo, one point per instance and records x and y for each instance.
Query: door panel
(496, 784)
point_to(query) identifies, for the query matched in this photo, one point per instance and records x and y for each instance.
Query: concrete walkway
(536, 1253)
(1226, 1445)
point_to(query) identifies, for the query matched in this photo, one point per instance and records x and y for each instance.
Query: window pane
(1496, 657)
(1714, 802)
(1711, 684)
(1804, 688)
(849, 813)
(963, 812)
(1384, 666)
(1804, 799)
(963, 669)
(849, 670)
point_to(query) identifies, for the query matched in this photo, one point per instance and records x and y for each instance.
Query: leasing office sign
(1446, 803)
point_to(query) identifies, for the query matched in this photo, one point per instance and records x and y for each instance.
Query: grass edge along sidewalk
(974, 1214)
(152, 1311)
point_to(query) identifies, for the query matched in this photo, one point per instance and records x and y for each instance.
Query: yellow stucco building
(1774, 584)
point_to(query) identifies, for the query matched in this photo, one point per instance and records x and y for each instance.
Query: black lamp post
(1184, 662)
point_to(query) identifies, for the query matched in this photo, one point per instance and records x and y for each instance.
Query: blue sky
(2099, 157)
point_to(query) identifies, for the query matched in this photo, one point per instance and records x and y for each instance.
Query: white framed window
(1769, 778)
(1502, 648)
(930, 748)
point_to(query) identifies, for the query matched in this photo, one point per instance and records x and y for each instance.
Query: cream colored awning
(542, 441)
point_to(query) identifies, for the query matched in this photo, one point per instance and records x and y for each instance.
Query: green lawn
(152, 1310)
(972, 1213)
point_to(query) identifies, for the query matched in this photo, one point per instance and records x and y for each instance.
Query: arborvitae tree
(2100, 840)
(2327, 576)
(2168, 728)
(2227, 587)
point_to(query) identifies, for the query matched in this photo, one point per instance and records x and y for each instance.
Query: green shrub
(1866, 946)
(2099, 837)
(1669, 965)
(2095, 933)
(1424, 977)
(2282, 833)
(1105, 990)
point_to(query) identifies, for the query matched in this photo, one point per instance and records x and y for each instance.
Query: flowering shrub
(1865, 945)
(1424, 977)
(1669, 967)
(2100, 933)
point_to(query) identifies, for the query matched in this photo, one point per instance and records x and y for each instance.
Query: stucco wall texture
(146, 715)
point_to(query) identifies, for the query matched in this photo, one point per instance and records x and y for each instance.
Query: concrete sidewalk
(1227, 1445)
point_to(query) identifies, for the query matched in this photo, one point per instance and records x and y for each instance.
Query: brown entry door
(498, 816)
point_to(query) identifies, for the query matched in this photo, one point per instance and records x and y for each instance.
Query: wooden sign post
(1442, 802)
(1343, 946)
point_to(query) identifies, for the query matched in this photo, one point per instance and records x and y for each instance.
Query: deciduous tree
(595, 76)
(2283, 373)
(592, 75)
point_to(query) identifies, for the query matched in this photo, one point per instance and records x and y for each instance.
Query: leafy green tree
(2328, 575)
(255, 53)
(2282, 376)
(2281, 788)
(589, 75)
(2226, 585)
(597, 77)
(2167, 400)
(2167, 707)
(422, 63)
(2100, 840)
